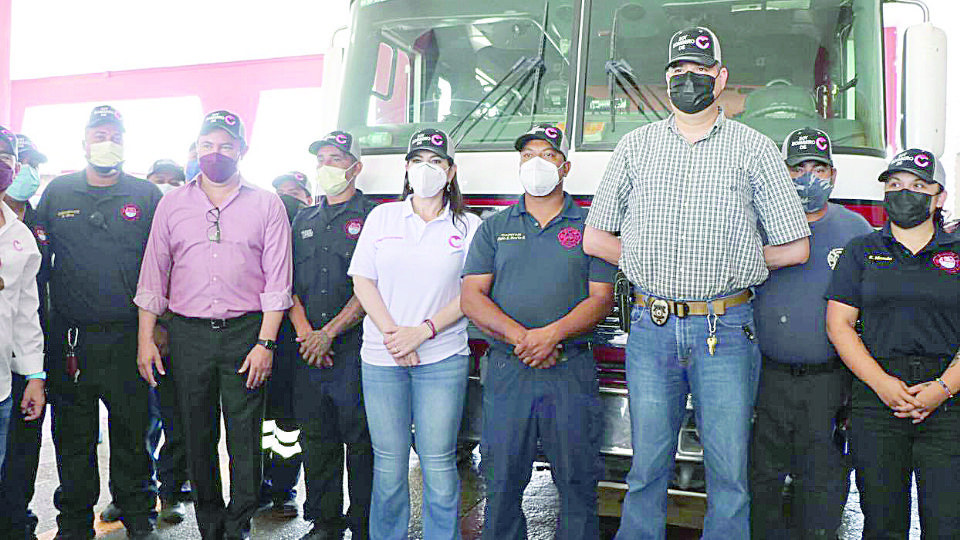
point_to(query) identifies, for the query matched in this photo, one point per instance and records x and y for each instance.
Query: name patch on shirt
(306, 233)
(880, 260)
(510, 237)
(68, 214)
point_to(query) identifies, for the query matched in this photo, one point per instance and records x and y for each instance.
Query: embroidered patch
(17, 245)
(569, 237)
(306, 233)
(130, 212)
(833, 257)
(455, 241)
(353, 227)
(41, 235)
(947, 261)
(509, 237)
(62, 214)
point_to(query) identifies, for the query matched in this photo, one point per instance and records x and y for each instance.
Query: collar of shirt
(717, 124)
(9, 217)
(354, 203)
(194, 188)
(939, 239)
(120, 187)
(407, 211)
(570, 209)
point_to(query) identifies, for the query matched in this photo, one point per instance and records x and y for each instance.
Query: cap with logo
(545, 132)
(338, 139)
(807, 144)
(105, 114)
(226, 121)
(295, 176)
(431, 139)
(7, 136)
(919, 162)
(167, 165)
(697, 44)
(26, 148)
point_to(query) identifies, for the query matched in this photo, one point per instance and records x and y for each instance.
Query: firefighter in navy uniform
(326, 316)
(97, 222)
(903, 284)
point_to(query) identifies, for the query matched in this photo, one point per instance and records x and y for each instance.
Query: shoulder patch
(833, 257)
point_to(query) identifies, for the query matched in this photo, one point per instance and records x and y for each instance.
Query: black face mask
(692, 92)
(907, 209)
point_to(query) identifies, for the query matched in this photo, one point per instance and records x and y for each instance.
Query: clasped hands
(916, 402)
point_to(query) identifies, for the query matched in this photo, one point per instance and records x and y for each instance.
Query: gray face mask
(813, 190)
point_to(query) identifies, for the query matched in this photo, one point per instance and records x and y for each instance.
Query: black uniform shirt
(96, 237)
(324, 238)
(908, 303)
(539, 274)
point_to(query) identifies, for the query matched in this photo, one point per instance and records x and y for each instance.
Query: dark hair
(451, 196)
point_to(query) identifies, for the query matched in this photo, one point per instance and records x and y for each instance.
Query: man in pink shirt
(219, 258)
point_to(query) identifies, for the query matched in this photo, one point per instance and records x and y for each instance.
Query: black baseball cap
(7, 136)
(168, 165)
(339, 139)
(431, 139)
(698, 44)
(545, 132)
(296, 176)
(807, 144)
(226, 121)
(919, 162)
(105, 114)
(25, 147)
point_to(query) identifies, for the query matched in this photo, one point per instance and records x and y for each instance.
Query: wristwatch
(268, 344)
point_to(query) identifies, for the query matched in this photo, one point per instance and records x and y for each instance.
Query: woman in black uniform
(903, 283)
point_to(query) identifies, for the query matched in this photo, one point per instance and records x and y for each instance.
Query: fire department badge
(130, 212)
(833, 257)
(353, 228)
(659, 311)
(569, 237)
(41, 235)
(947, 261)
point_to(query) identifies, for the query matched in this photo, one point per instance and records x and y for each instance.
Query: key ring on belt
(73, 334)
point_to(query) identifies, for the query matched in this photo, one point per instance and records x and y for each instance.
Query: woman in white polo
(406, 272)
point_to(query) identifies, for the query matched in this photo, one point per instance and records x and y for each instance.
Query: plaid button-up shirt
(687, 213)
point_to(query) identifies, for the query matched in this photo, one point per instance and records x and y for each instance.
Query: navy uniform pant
(560, 408)
(19, 470)
(793, 434)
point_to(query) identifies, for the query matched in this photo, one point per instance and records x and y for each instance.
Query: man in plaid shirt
(686, 194)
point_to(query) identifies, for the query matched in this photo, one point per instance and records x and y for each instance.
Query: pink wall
(6, 14)
(235, 86)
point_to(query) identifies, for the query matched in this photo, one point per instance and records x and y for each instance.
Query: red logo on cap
(551, 132)
(341, 139)
(702, 41)
(822, 143)
(922, 160)
(947, 261)
(437, 139)
(130, 212)
(353, 228)
(569, 237)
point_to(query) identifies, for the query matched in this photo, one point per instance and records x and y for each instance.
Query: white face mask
(106, 154)
(332, 180)
(165, 188)
(426, 179)
(538, 176)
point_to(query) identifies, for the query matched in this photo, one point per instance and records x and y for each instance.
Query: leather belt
(683, 309)
(799, 370)
(217, 324)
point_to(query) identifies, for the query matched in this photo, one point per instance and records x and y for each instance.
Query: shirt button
(329, 228)
(215, 300)
(783, 319)
(214, 278)
(325, 248)
(324, 315)
(214, 255)
(324, 270)
(323, 291)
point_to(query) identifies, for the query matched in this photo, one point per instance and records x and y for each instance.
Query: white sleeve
(27, 334)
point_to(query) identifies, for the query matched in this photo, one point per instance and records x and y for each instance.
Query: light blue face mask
(814, 191)
(25, 185)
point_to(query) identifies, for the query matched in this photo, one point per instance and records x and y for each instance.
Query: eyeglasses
(213, 232)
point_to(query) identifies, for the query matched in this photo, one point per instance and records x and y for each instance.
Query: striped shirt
(687, 213)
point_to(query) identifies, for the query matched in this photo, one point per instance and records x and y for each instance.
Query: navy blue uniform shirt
(908, 303)
(789, 309)
(539, 274)
(96, 237)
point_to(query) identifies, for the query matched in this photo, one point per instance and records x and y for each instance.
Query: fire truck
(486, 70)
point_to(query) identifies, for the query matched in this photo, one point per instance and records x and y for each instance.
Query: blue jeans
(664, 363)
(5, 407)
(430, 397)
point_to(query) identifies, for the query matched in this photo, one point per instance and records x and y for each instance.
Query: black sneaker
(316, 533)
(110, 514)
(286, 508)
(172, 511)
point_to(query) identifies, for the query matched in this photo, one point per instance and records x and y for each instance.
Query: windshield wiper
(620, 75)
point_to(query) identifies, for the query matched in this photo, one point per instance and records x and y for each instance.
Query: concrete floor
(540, 505)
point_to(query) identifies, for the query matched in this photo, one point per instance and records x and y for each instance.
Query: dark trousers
(19, 474)
(205, 363)
(171, 464)
(341, 419)
(108, 373)
(560, 407)
(793, 434)
(886, 450)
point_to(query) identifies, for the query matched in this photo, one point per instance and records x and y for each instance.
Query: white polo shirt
(20, 331)
(417, 267)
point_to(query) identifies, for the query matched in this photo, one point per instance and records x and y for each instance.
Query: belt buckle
(659, 311)
(218, 324)
(798, 370)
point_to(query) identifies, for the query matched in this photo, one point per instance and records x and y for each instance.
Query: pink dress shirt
(250, 269)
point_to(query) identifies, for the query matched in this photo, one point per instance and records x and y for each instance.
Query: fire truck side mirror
(924, 88)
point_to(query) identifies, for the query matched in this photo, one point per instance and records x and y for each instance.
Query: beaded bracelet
(433, 329)
(945, 387)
